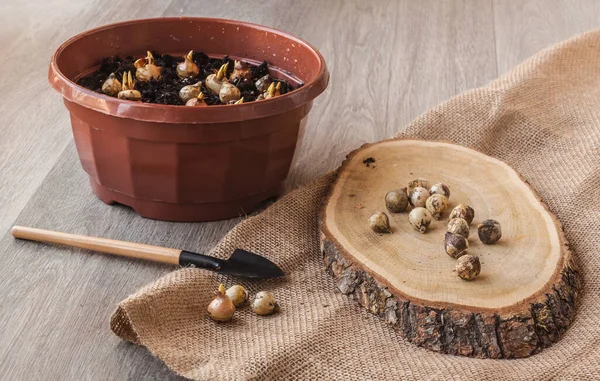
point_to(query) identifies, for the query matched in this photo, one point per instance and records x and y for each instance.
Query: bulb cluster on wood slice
(430, 203)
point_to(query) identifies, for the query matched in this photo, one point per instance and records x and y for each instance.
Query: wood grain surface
(390, 61)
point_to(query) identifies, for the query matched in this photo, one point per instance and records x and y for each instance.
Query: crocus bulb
(262, 84)
(238, 102)
(229, 93)
(187, 68)
(111, 86)
(240, 70)
(221, 308)
(215, 81)
(264, 303)
(198, 101)
(146, 69)
(127, 89)
(273, 90)
(190, 91)
(238, 295)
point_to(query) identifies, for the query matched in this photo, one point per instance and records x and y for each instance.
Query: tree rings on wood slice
(522, 301)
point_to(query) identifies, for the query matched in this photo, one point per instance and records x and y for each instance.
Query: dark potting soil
(165, 90)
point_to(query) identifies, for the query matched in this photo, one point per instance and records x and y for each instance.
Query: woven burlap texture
(543, 118)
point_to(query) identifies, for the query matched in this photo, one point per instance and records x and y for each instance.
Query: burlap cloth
(543, 118)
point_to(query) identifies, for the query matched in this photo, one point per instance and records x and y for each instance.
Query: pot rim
(73, 92)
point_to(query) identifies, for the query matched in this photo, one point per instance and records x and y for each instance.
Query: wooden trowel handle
(104, 245)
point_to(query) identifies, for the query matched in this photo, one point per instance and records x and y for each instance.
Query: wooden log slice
(522, 301)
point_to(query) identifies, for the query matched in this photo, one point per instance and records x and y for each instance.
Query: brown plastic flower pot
(182, 163)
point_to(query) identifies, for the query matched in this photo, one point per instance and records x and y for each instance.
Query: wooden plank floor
(390, 61)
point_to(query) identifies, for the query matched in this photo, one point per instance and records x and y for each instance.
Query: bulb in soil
(263, 83)
(264, 303)
(196, 102)
(240, 70)
(111, 86)
(221, 308)
(190, 91)
(238, 102)
(214, 82)
(146, 69)
(130, 95)
(127, 89)
(273, 91)
(229, 93)
(187, 68)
